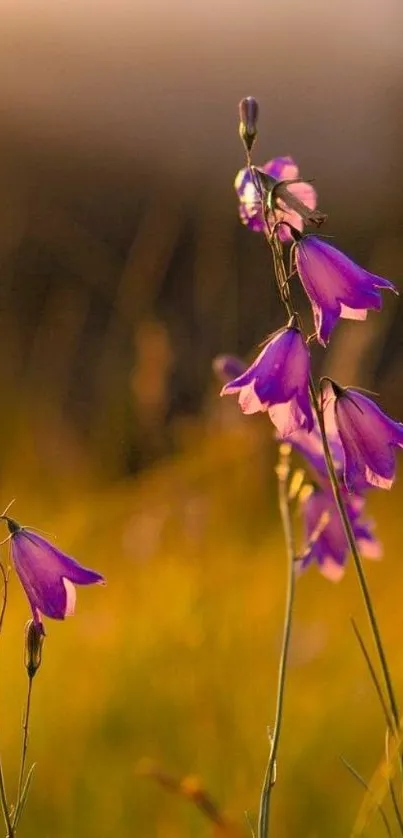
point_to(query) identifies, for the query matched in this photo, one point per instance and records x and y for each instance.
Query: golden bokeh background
(123, 272)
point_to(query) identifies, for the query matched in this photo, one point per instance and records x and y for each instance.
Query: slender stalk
(391, 786)
(5, 593)
(374, 677)
(282, 283)
(4, 805)
(356, 557)
(269, 778)
(24, 748)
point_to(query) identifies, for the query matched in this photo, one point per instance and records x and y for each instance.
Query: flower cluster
(275, 201)
(326, 541)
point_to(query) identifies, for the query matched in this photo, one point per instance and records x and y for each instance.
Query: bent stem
(356, 557)
(270, 773)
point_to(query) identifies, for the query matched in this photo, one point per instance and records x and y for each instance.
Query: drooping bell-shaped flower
(294, 212)
(335, 285)
(368, 437)
(47, 575)
(325, 536)
(277, 381)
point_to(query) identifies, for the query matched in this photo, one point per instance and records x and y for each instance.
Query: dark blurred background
(123, 271)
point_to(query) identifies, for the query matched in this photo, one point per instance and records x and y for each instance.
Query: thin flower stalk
(356, 559)
(282, 281)
(374, 678)
(24, 748)
(4, 574)
(269, 778)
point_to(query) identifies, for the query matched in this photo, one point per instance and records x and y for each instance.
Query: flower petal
(331, 569)
(70, 597)
(335, 285)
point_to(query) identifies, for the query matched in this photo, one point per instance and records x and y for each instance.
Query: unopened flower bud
(248, 116)
(34, 638)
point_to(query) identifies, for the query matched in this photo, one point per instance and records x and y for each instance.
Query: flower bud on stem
(248, 116)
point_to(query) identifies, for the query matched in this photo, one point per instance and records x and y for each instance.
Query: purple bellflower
(311, 447)
(368, 437)
(47, 575)
(335, 285)
(277, 381)
(250, 207)
(227, 367)
(326, 539)
(325, 536)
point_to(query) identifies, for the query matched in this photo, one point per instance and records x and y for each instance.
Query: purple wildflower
(227, 367)
(250, 208)
(47, 575)
(326, 539)
(368, 437)
(311, 447)
(277, 381)
(335, 285)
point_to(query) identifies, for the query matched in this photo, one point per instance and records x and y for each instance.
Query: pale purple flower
(335, 285)
(277, 381)
(250, 207)
(325, 535)
(368, 436)
(47, 575)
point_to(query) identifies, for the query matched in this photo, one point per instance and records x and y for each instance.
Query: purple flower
(335, 285)
(277, 381)
(368, 437)
(325, 536)
(311, 447)
(250, 207)
(227, 367)
(47, 575)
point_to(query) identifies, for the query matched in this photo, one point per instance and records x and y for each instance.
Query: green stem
(25, 728)
(269, 778)
(356, 556)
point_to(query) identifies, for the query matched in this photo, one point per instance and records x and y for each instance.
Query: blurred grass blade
(364, 784)
(24, 795)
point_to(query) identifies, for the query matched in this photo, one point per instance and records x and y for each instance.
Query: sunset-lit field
(175, 660)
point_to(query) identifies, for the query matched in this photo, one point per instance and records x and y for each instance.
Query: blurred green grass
(176, 659)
